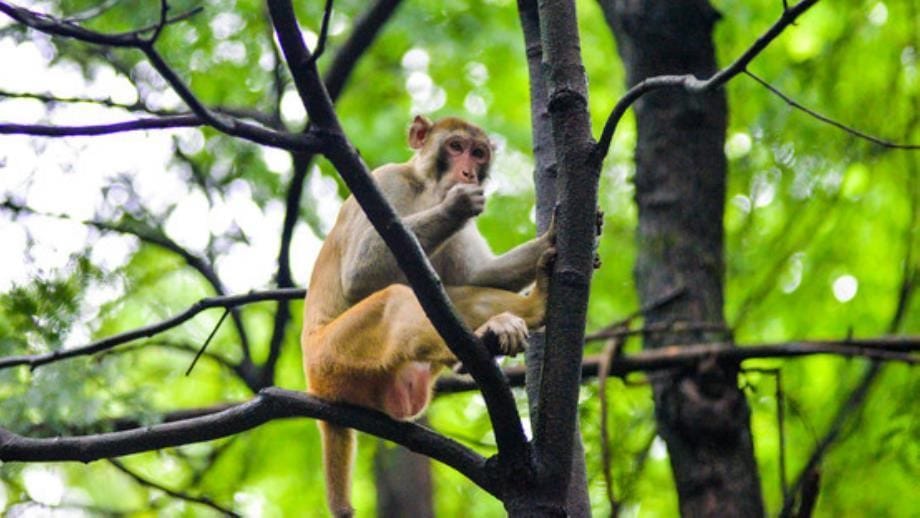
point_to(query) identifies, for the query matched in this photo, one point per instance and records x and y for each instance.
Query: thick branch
(691, 83)
(362, 35)
(556, 416)
(421, 276)
(268, 405)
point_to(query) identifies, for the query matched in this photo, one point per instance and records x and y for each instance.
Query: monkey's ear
(418, 132)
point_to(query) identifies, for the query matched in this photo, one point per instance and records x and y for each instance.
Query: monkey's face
(463, 159)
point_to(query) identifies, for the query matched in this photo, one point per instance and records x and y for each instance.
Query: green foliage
(809, 210)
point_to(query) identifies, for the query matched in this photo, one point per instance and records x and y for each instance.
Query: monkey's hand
(464, 201)
(510, 332)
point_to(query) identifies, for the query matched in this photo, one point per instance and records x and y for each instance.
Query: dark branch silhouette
(691, 83)
(135, 39)
(269, 404)
(827, 120)
(231, 301)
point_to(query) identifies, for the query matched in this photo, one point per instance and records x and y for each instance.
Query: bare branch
(69, 29)
(691, 83)
(857, 397)
(172, 492)
(230, 301)
(268, 405)
(323, 33)
(45, 130)
(222, 122)
(827, 120)
(140, 106)
(896, 349)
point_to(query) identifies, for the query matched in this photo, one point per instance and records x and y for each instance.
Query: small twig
(207, 341)
(777, 375)
(323, 33)
(611, 351)
(171, 492)
(622, 325)
(827, 120)
(164, 8)
(809, 493)
(691, 83)
(851, 405)
(224, 123)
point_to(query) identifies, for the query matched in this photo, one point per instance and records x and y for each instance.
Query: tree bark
(578, 504)
(680, 192)
(404, 486)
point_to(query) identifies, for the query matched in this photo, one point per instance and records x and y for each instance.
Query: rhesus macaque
(366, 340)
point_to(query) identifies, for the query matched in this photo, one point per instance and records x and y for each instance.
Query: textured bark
(403, 479)
(680, 192)
(578, 503)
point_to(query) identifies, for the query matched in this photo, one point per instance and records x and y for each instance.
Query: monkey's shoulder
(404, 188)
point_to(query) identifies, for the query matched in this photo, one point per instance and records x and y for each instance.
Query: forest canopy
(104, 233)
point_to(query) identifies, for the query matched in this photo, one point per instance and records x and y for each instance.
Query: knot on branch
(572, 278)
(704, 402)
(566, 100)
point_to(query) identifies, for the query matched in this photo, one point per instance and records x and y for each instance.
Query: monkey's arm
(513, 270)
(367, 263)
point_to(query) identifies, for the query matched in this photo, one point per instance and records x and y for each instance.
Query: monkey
(365, 339)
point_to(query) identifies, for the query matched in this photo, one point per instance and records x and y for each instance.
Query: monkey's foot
(510, 332)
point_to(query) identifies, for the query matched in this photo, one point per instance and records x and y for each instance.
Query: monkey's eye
(455, 145)
(479, 153)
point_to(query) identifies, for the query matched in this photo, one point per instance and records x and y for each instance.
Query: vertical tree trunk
(578, 504)
(403, 483)
(680, 191)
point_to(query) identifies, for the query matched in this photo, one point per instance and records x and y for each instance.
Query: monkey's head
(450, 151)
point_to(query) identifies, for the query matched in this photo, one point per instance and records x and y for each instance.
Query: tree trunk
(680, 191)
(403, 483)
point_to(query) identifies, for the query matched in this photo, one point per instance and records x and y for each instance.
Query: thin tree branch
(135, 39)
(200, 264)
(140, 106)
(50, 25)
(207, 502)
(46, 130)
(691, 83)
(229, 301)
(855, 400)
(827, 120)
(895, 349)
(806, 485)
(323, 33)
(268, 405)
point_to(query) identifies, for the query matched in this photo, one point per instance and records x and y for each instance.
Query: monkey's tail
(338, 458)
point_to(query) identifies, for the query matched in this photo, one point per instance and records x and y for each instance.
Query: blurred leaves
(806, 207)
